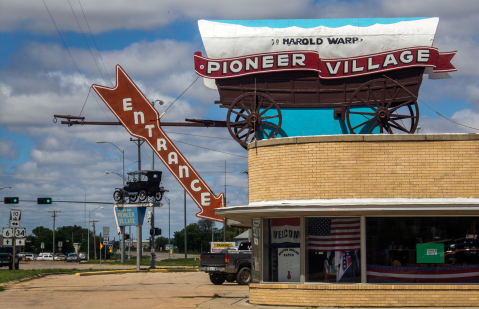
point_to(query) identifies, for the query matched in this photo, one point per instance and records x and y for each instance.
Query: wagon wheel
(381, 106)
(256, 110)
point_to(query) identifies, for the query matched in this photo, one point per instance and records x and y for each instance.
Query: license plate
(212, 268)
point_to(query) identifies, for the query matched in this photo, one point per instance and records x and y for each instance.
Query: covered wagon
(280, 78)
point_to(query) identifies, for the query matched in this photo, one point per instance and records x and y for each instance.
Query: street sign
(106, 231)
(20, 232)
(110, 246)
(129, 243)
(14, 223)
(60, 244)
(105, 242)
(15, 214)
(105, 238)
(101, 246)
(42, 245)
(20, 242)
(7, 241)
(7, 232)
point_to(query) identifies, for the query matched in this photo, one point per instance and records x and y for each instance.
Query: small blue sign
(130, 215)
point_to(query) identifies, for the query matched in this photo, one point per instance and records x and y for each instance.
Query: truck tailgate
(213, 259)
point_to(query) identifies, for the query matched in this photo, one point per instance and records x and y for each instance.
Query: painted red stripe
(423, 272)
(424, 279)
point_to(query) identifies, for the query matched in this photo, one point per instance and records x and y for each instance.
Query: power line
(198, 135)
(231, 154)
(91, 53)
(179, 96)
(430, 106)
(98, 50)
(75, 62)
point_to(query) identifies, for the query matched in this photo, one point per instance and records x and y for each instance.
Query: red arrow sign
(137, 115)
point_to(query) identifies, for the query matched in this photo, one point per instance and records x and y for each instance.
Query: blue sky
(155, 41)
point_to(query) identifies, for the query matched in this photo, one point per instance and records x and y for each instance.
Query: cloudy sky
(154, 42)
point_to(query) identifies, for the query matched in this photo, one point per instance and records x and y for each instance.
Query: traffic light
(127, 236)
(155, 231)
(10, 200)
(44, 200)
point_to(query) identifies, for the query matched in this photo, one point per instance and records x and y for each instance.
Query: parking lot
(130, 290)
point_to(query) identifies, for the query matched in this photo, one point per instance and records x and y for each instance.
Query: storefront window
(422, 250)
(281, 245)
(332, 250)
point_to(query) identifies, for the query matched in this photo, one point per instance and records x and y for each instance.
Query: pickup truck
(6, 258)
(229, 265)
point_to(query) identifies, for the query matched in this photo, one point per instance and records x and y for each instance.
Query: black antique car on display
(141, 185)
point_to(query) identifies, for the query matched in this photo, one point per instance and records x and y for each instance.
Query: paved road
(131, 290)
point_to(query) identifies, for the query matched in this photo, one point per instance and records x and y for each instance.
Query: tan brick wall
(365, 295)
(381, 166)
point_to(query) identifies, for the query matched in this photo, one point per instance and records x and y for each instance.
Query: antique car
(284, 78)
(141, 185)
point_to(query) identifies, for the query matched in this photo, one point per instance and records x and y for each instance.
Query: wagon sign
(141, 120)
(326, 68)
(285, 78)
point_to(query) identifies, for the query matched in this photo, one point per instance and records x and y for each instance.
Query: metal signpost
(14, 235)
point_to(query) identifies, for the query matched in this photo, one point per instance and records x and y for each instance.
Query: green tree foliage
(199, 235)
(161, 242)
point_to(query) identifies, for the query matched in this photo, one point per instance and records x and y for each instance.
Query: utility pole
(139, 249)
(94, 236)
(54, 216)
(138, 142)
(186, 254)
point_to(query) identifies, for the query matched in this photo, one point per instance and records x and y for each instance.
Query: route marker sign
(106, 231)
(42, 245)
(105, 242)
(20, 232)
(7, 232)
(60, 244)
(20, 242)
(14, 223)
(7, 241)
(15, 214)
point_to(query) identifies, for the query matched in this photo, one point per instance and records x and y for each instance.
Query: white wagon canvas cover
(371, 39)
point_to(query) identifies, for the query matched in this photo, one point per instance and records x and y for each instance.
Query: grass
(146, 262)
(215, 296)
(17, 275)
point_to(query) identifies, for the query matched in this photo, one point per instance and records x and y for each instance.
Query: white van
(45, 256)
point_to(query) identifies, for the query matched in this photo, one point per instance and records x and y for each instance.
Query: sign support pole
(138, 246)
(122, 248)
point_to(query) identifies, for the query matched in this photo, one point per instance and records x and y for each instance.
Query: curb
(109, 272)
(175, 270)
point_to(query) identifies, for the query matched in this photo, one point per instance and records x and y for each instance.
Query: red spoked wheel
(251, 115)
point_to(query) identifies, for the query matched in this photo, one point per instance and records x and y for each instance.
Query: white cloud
(7, 151)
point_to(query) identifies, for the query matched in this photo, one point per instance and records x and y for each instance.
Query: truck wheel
(230, 278)
(17, 266)
(244, 276)
(217, 279)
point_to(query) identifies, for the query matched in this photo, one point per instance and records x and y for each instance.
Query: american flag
(333, 234)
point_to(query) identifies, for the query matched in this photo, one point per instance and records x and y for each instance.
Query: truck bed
(213, 260)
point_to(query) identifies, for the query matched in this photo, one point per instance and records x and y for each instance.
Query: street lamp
(123, 153)
(89, 213)
(107, 172)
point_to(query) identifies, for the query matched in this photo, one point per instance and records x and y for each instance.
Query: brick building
(364, 220)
